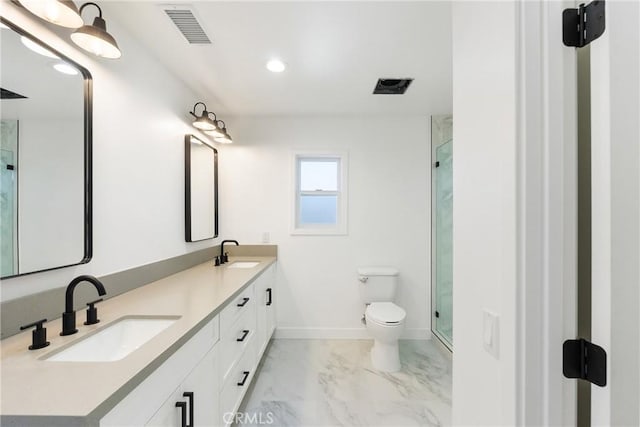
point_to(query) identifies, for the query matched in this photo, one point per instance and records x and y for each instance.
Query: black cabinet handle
(245, 332)
(245, 375)
(183, 409)
(269, 296)
(183, 412)
(189, 395)
(245, 300)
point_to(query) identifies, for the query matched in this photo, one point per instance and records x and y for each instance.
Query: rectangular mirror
(201, 190)
(45, 200)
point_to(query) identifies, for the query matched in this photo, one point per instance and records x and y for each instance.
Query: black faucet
(224, 257)
(69, 316)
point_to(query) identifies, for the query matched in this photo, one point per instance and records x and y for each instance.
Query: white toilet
(384, 319)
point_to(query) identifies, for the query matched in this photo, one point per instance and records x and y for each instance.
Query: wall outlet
(491, 333)
(266, 237)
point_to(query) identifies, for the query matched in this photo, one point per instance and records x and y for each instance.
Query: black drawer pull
(245, 300)
(245, 375)
(269, 296)
(245, 332)
(189, 395)
(183, 412)
(183, 409)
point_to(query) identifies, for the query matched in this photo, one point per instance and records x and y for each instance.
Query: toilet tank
(378, 284)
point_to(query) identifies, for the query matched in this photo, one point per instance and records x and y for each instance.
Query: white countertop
(33, 387)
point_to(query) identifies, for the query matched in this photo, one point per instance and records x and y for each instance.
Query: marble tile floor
(332, 383)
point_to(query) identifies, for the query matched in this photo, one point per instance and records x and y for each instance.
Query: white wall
(389, 193)
(139, 121)
(484, 212)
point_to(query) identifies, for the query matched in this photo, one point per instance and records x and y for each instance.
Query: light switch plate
(491, 332)
(266, 237)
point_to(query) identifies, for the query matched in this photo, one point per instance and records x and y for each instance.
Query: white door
(615, 183)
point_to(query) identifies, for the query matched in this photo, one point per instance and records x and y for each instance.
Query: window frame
(340, 227)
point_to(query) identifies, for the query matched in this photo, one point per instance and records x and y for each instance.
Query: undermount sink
(116, 341)
(243, 264)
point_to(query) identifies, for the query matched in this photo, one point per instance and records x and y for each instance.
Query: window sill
(319, 232)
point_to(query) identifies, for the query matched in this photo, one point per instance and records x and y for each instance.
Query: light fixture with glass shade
(217, 132)
(225, 138)
(95, 38)
(203, 121)
(59, 12)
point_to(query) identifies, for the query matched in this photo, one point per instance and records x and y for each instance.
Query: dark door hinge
(583, 25)
(585, 360)
(437, 164)
(437, 314)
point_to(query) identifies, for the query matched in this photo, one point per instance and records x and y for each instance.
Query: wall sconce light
(92, 38)
(214, 127)
(59, 12)
(203, 122)
(95, 38)
(225, 138)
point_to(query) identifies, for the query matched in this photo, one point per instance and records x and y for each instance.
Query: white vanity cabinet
(210, 374)
(193, 367)
(244, 336)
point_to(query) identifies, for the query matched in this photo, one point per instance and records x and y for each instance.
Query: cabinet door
(198, 395)
(265, 294)
(270, 304)
(162, 385)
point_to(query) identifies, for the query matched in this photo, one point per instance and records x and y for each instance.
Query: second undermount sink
(115, 341)
(243, 264)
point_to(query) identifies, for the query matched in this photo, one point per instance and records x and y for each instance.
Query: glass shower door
(442, 229)
(7, 211)
(444, 241)
(8, 197)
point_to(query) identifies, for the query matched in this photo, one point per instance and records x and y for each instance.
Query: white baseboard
(343, 333)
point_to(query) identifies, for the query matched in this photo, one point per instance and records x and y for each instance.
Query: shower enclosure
(8, 197)
(442, 228)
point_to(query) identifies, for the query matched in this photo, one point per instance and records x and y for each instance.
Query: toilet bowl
(385, 323)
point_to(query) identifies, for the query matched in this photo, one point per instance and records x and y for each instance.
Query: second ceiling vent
(188, 25)
(392, 86)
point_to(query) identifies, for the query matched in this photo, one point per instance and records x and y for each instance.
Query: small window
(320, 194)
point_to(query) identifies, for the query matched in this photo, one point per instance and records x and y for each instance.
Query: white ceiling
(335, 52)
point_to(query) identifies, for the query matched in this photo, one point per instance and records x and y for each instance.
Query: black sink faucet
(69, 316)
(224, 257)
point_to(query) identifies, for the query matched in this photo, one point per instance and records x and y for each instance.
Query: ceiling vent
(188, 25)
(391, 86)
(7, 94)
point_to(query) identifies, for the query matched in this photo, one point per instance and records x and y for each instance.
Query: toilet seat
(385, 313)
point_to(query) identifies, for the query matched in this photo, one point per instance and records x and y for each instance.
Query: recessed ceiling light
(65, 68)
(37, 48)
(276, 66)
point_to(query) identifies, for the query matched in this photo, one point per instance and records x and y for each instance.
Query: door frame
(546, 288)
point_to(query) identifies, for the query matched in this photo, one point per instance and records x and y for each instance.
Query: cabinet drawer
(242, 303)
(236, 339)
(237, 383)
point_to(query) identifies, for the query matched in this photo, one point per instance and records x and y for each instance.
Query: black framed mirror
(46, 130)
(200, 189)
